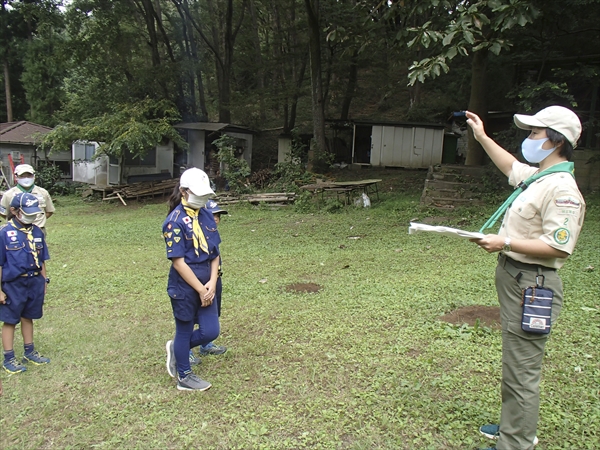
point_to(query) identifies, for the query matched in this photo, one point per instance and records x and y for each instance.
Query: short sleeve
(49, 205)
(174, 239)
(563, 218)
(520, 172)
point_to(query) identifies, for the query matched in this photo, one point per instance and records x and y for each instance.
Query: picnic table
(345, 188)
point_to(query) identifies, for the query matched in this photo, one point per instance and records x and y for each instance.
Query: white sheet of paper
(446, 231)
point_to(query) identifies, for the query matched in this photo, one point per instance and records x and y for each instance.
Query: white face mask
(533, 152)
(26, 182)
(27, 219)
(197, 201)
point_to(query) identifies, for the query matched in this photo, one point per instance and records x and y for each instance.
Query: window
(84, 152)
(149, 159)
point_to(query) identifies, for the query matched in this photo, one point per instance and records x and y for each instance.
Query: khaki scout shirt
(41, 194)
(550, 209)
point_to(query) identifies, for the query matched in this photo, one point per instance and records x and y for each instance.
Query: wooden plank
(121, 198)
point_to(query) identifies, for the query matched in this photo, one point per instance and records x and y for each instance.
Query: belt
(30, 274)
(516, 267)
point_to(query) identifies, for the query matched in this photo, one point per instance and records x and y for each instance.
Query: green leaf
(495, 48)
(468, 36)
(448, 38)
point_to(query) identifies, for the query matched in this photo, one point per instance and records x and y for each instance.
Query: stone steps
(448, 187)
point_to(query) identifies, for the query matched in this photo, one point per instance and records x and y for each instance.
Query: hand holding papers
(447, 231)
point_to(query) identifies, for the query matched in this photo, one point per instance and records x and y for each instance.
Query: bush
(50, 177)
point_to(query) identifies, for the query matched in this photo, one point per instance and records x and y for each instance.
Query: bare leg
(8, 336)
(27, 330)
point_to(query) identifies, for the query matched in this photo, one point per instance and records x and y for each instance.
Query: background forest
(292, 64)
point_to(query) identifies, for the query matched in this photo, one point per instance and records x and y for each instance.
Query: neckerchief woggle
(560, 167)
(29, 233)
(198, 235)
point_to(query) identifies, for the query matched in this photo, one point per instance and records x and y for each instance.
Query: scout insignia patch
(169, 226)
(186, 220)
(169, 243)
(176, 230)
(567, 202)
(177, 239)
(562, 236)
(11, 233)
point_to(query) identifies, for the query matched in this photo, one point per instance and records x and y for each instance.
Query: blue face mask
(533, 152)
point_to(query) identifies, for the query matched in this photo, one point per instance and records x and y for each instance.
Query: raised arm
(498, 155)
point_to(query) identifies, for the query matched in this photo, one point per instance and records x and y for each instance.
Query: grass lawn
(364, 363)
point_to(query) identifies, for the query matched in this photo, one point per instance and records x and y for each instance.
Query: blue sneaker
(194, 360)
(212, 349)
(13, 366)
(493, 432)
(35, 358)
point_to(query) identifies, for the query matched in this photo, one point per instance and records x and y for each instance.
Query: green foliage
(132, 127)
(290, 174)
(470, 27)
(236, 169)
(50, 177)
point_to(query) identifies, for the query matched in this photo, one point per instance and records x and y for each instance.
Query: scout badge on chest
(537, 308)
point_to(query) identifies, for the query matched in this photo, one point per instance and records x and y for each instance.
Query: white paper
(446, 231)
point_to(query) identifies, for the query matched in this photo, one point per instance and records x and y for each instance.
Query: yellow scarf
(199, 238)
(29, 233)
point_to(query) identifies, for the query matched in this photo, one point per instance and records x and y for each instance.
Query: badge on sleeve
(11, 233)
(567, 201)
(562, 236)
(186, 219)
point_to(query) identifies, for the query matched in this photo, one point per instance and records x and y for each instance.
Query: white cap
(558, 118)
(196, 181)
(24, 168)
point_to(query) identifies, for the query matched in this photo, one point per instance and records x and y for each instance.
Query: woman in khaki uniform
(537, 235)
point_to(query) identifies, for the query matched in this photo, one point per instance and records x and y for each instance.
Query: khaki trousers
(522, 353)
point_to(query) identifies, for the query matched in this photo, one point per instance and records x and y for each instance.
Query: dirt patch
(488, 316)
(309, 288)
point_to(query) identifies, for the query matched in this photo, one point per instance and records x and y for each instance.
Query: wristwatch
(506, 248)
(47, 280)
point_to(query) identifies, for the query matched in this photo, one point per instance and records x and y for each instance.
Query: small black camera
(459, 114)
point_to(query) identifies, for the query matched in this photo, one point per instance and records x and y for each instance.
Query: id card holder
(537, 308)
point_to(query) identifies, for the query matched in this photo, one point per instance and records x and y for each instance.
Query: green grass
(365, 363)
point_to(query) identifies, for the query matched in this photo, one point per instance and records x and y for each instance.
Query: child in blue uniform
(192, 244)
(23, 253)
(211, 348)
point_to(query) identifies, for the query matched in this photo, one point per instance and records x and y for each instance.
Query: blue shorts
(24, 298)
(185, 301)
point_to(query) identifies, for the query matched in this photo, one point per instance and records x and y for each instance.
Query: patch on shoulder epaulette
(567, 201)
(562, 236)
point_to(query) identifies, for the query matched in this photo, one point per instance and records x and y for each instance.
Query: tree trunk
(9, 111)
(312, 8)
(260, 77)
(351, 86)
(478, 105)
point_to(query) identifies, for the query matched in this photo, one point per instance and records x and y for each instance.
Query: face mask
(25, 182)
(197, 202)
(533, 152)
(27, 219)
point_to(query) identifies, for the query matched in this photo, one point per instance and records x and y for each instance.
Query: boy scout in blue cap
(23, 253)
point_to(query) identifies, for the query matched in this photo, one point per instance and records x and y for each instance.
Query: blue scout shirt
(16, 257)
(178, 234)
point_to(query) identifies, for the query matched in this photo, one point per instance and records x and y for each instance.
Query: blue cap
(26, 202)
(212, 206)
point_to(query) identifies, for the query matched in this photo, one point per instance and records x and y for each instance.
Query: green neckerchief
(560, 167)
(25, 189)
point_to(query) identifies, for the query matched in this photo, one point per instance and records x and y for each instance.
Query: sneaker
(192, 383)
(493, 432)
(212, 349)
(171, 361)
(194, 360)
(36, 358)
(13, 366)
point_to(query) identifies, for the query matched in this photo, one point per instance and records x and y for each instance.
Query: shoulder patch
(567, 201)
(562, 236)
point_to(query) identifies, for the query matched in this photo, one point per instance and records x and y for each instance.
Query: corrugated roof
(22, 132)
(212, 126)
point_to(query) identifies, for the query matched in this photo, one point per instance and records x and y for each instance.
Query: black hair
(9, 213)
(566, 148)
(175, 198)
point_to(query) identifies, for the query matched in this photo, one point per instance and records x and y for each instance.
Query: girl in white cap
(192, 244)
(538, 233)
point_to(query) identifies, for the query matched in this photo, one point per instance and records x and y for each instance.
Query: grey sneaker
(493, 432)
(171, 361)
(192, 383)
